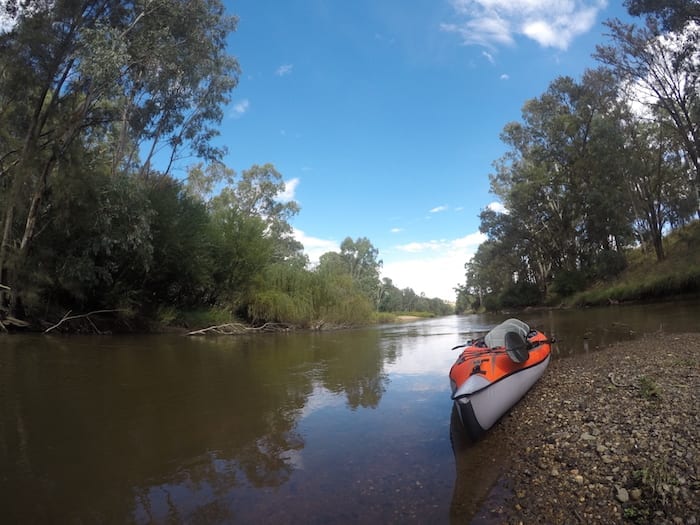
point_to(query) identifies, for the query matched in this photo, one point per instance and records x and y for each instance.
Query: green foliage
(649, 388)
(609, 264)
(359, 259)
(657, 480)
(241, 253)
(647, 279)
(97, 247)
(284, 294)
(466, 302)
(91, 94)
(203, 317)
(568, 282)
(384, 317)
(583, 180)
(181, 273)
(673, 14)
(392, 299)
(86, 89)
(339, 301)
(520, 294)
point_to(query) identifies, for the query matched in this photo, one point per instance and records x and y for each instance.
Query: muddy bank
(612, 436)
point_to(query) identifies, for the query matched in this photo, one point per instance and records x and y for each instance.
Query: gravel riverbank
(611, 436)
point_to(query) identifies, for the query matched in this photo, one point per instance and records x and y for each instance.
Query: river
(337, 427)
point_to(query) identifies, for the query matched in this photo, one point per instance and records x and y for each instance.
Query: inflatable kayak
(492, 373)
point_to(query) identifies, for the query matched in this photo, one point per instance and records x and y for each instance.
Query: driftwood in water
(238, 329)
(68, 317)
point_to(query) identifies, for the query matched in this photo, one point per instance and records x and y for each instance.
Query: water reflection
(477, 471)
(122, 430)
(351, 426)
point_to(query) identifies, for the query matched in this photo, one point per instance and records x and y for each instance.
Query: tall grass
(296, 296)
(647, 279)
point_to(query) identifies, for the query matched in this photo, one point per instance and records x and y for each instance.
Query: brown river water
(340, 427)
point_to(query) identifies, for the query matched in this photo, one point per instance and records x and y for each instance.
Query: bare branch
(238, 328)
(68, 317)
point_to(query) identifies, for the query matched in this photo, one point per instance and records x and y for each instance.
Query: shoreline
(611, 436)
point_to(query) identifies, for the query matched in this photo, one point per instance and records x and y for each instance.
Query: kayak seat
(516, 347)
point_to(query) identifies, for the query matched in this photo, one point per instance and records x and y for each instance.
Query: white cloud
(25, 8)
(290, 187)
(550, 23)
(6, 24)
(396, 230)
(488, 56)
(641, 94)
(497, 207)
(438, 209)
(484, 31)
(315, 247)
(505, 76)
(417, 247)
(285, 69)
(435, 267)
(240, 108)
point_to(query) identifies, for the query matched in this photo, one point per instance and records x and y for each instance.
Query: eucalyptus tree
(258, 192)
(561, 181)
(465, 301)
(660, 74)
(674, 14)
(95, 245)
(118, 77)
(389, 297)
(360, 258)
(660, 189)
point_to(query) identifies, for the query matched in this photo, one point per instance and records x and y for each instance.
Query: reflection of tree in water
(354, 365)
(201, 492)
(266, 462)
(366, 391)
(101, 431)
(162, 430)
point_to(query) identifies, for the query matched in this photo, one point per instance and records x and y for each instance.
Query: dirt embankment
(611, 436)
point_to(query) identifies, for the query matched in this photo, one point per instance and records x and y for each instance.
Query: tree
(390, 299)
(660, 72)
(112, 76)
(466, 302)
(673, 14)
(657, 181)
(360, 259)
(242, 252)
(562, 184)
(96, 248)
(258, 193)
(181, 274)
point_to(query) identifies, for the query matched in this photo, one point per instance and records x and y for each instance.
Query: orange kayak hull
(486, 382)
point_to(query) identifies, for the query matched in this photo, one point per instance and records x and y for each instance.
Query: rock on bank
(611, 436)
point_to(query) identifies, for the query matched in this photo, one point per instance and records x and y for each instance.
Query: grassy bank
(646, 279)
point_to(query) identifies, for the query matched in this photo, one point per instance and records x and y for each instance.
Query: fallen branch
(611, 376)
(238, 328)
(68, 317)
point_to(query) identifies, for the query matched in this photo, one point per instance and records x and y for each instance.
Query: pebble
(622, 495)
(622, 454)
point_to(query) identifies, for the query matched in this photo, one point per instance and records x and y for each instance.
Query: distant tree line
(98, 101)
(596, 166)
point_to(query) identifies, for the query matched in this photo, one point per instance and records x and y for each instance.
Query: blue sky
(384, 116)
